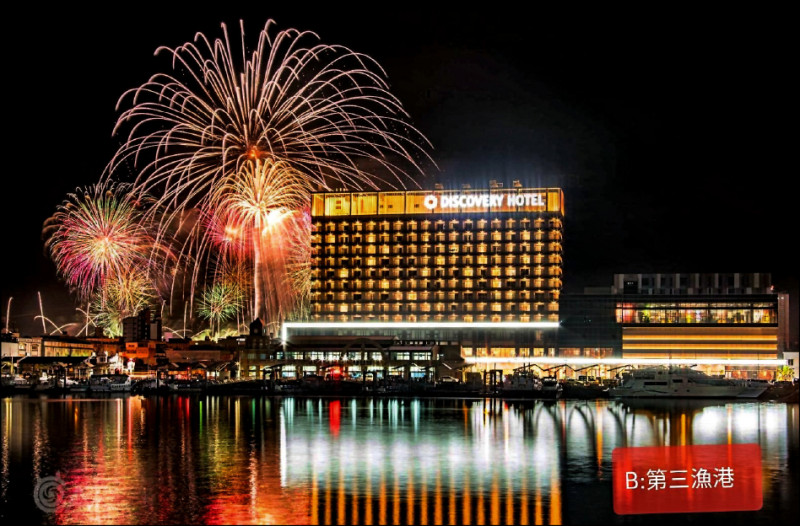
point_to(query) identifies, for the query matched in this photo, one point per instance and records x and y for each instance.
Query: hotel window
(469, 271)
(453, 249)
(497, 236)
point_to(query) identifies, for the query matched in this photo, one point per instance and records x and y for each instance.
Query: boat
(678, 382)
(754, 388)
(521, 384)
(17, 383)
(77, 387)
(551, 387)
(575, 389)
(185, 386)
(110, 383)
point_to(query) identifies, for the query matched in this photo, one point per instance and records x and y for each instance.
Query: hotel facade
(481, 267)
(482, 270)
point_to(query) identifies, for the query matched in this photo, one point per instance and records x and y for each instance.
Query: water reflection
(297, 461)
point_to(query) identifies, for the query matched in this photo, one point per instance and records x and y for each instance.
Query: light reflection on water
(325, 461)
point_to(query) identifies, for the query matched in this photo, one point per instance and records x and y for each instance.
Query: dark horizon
(664, 135)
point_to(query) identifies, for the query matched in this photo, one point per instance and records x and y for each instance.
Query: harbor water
(198, 459)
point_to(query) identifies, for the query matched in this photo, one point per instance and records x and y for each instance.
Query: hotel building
(481, 270)
(481, 267)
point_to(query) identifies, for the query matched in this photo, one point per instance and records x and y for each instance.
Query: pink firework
(95, 234)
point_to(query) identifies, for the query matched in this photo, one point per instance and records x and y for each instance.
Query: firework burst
(239, 138)
(220, 303)
(124, 295)
(95, 235)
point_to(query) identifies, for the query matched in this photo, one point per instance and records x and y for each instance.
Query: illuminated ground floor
(429, 351)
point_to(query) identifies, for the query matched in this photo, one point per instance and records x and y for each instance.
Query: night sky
(665, 129)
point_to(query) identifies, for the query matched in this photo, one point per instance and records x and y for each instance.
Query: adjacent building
(725, 322)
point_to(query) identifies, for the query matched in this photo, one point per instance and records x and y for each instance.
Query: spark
(235, 140)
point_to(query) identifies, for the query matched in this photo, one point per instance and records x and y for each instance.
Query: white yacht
(110, 383)
(679, 382)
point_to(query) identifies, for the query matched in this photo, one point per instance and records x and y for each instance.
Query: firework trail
(103, 247)
(202, 137)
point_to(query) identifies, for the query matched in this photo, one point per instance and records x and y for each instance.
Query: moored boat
(551, 387)
(110, 383)
(678, 382)
(521, 384)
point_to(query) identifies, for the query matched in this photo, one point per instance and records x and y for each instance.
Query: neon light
(418, 325)
(620, 361)
(431, 201)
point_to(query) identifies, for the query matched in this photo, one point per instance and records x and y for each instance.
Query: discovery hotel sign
(461, 201)
(426, 202)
